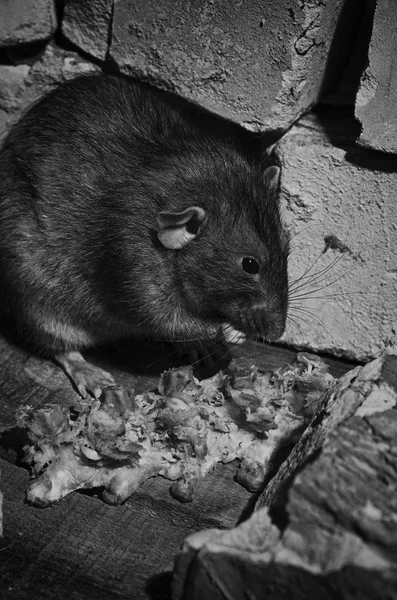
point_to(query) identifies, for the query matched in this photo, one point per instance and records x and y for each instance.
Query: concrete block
(26, 21)
(20, 85)
(339, 204)
(87, 24)
(12, 85)
(376, 105)
(261, 64)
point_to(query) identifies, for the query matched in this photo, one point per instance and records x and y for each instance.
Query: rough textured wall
(340, 207)
(259, 63)
(88, 25)
(376, 105)
(23, 83)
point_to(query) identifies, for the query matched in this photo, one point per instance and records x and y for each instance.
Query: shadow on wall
(336, 111)
(348, 74)
(343, 130)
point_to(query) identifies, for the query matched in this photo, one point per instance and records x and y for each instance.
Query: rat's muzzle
(263, 322)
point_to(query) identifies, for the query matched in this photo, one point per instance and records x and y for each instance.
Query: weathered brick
(25, 21)
(87, 24)
(259, 63)
(340, 207)
(12, 85)
(376, 105)
(22, 84)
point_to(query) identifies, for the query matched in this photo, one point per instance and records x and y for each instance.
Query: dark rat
(125, 211)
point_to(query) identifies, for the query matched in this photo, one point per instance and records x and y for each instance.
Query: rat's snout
(273, 326)
(275, 329)
(268, 322)
(262, 319)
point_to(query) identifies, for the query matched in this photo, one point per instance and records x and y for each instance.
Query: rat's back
(71, 168)
(84, 173)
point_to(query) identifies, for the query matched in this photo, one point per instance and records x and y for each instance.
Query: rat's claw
(82, 391)
(97, 391)
(87, 378)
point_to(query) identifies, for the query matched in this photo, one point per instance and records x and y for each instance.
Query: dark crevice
(353, 31)
(110, 34)
(59, 11)
(26, 54)
(278, 508)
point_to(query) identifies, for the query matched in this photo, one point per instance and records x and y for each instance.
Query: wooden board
(82, 548)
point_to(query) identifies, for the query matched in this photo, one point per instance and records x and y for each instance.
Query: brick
(87, 24)
(340, 207)
(376, 106)
(261, 64)
(12, 84)
(20, 85)
(26, 21)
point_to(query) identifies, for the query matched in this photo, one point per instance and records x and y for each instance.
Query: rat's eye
(250, 265)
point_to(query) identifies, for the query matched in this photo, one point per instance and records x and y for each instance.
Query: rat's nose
(270, 323)
(275, 331)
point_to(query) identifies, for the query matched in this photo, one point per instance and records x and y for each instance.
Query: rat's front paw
(233, 336)
(87, 378)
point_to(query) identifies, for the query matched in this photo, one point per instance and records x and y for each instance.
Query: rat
(128, 211)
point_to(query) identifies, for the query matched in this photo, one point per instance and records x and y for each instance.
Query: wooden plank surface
(81, 547)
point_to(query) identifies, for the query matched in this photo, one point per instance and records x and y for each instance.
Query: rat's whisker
(317, 287)
(309, 296)
(222, 358)
(295, 321)
(313, 317)
(294, 235)
(305, 274)
(306, 280)
(309, 293)
(159, 360)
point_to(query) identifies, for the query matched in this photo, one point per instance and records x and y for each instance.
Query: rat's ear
(271, 179)
(176, 229)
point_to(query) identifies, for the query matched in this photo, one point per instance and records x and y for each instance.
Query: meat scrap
(179, 431)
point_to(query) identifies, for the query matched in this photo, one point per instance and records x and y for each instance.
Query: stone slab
(376, 106)
(260, 64)
(20, 85)
(26, 21)
(87, 24)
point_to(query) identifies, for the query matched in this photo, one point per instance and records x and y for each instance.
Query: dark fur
(83, 176)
